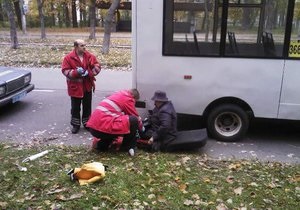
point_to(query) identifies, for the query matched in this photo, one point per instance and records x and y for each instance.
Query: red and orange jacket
(112, 114)
(77, 84)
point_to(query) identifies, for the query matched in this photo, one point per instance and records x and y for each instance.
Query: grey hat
(159, 96)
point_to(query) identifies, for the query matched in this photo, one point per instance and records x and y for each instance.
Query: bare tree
(83, 12)
(40, 4)
(74, 14)
(108, 25)
(18, 13)
(13, 30)
(92, 12)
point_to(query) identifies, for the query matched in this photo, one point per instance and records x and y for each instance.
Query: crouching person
(116, 116)
(162, 126)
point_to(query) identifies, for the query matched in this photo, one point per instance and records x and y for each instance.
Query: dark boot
(75, 129)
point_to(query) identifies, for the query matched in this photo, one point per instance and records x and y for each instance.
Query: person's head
(135, 93)
(159, 98)
(79, 46)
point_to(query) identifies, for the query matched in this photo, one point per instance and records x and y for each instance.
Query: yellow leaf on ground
(161, 199)
(234, 166)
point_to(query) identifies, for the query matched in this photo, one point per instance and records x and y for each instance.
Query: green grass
(147, 181)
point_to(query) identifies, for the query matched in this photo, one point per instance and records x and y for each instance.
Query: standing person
(116, 116)
(162, 128)
(80, 68)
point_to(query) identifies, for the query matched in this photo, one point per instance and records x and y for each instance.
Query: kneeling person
(116, 116)
(162, 128)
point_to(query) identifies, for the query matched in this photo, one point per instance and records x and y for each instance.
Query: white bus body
(198, 85)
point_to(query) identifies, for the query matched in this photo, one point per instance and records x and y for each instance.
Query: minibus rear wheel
(227, 122)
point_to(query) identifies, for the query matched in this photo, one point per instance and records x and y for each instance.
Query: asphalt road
(43, 117)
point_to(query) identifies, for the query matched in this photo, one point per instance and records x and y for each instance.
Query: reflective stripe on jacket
(112, 114)
(77, 84)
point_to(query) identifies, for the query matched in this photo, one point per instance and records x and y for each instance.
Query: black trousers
(76, 103)
(129, 140)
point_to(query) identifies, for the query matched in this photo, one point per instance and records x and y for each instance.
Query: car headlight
(2, 90)
(27, 79)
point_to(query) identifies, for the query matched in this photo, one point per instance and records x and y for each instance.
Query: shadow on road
(274, 130)
(10, 110)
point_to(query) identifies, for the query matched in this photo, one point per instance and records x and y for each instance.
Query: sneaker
(131, 152)
(75, 129)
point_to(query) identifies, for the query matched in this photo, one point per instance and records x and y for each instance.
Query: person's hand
(80, 70)
(150, 141)
(85, 73)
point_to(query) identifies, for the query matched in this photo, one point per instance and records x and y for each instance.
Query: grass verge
(49, 52)
(147, 181)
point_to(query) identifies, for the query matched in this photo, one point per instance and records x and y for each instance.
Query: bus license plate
(18, 97)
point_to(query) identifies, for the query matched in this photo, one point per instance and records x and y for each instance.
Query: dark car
(14, 84)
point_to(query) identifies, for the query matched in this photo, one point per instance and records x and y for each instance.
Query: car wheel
(227, 122)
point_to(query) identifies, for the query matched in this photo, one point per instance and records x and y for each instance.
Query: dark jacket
(163, 123)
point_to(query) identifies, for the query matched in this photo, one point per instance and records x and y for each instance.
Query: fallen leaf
(195, 196)
(206, 180)
(182, 188)
(3, 205)
(253, 184)
(47, 202)
(177, 179)
(161, 199)
(230, 179)
(151, 196)
(238, 191)
(234, 166)
(188, 202)
(268, 201)
(61, 198)
(185, 159)
(75, 196)
(56, 191)
(221, 206)
(296, 178)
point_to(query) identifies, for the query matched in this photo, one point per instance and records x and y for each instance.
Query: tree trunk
(52, 16)
(23, 17)
(84, 13)
(18, 13)
(67, 15)
(13, 30)
(42, 19)
(60, 21)
(92, 19)
(108, 24)
(1, 14)
(74, 14)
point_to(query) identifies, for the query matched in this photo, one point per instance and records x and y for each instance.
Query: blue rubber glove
(85, 73)
(80, 70)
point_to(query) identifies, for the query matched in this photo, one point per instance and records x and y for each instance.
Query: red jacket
(112, 114)
(77, 84)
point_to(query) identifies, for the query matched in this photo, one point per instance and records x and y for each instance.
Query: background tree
(18, 12)
(108, 25)
(74, 14)
(92, 10)
(83, 12)
(67, 14)
(11, 17)
(40, 4)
